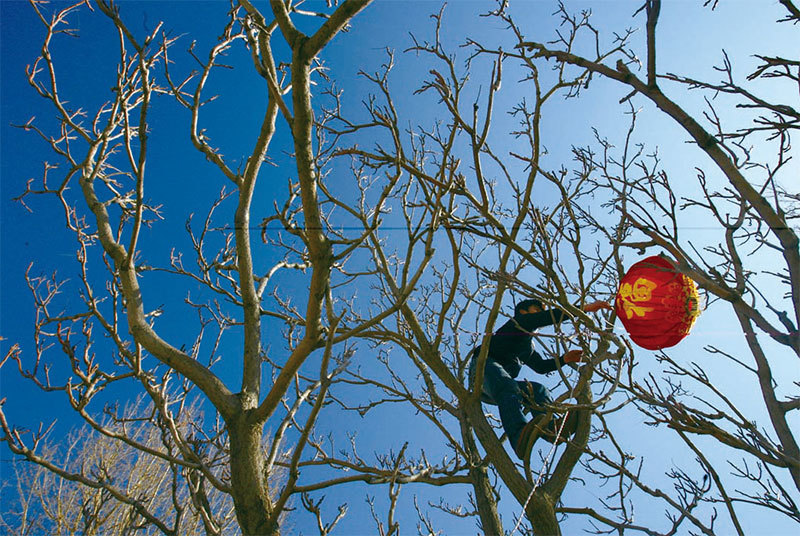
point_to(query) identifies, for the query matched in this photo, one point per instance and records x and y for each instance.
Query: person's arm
(532, 321)
(544, 366)
(506, 339)
(539, 364)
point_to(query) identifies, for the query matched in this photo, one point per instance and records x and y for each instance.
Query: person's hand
(573, 356)
(596, 306)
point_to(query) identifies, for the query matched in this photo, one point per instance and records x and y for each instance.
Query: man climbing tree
(509, 348)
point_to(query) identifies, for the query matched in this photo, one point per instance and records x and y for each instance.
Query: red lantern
(657, 304)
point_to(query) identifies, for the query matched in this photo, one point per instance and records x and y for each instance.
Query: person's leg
(542, 397)
(503, 389)
(485, 397)
(535, 397)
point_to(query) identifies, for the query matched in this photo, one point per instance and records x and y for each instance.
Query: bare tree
(45, 503)
(476, 223)
(410, 258)
(753, 265)
(110, 335)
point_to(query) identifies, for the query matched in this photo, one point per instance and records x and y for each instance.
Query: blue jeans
(508, 394)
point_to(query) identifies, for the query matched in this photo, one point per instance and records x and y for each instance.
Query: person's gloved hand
(573, 356)
(596, 306)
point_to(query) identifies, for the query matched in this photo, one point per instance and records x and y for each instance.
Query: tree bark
(542, 515)
(485, 499)
(249, 487)
(776, 414)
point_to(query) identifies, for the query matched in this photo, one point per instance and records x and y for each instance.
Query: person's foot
(529, 434)
(550, 432)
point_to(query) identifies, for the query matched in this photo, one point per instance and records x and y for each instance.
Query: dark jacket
(510, 345)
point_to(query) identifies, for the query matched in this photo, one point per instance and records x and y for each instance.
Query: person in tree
(509, 348)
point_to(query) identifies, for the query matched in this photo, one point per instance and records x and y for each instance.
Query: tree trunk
(248, 480)
(540, 511)
(485, 499)
(542, 515)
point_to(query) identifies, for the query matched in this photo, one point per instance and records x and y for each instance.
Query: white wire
(544, 465)
(541, 473)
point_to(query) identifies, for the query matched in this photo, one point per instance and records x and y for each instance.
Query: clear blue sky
(691, 39)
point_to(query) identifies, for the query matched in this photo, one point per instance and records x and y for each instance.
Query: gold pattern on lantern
(640, 291)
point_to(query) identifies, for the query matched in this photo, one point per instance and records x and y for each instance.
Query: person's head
(528, 307)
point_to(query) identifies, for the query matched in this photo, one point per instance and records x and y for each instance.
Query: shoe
(550, 433)
(528, 400)
(529, 434)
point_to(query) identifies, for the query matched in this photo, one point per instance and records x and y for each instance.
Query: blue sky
(691, 40)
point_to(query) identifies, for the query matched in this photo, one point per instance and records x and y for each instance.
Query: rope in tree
(541, 473)
(545, 463)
